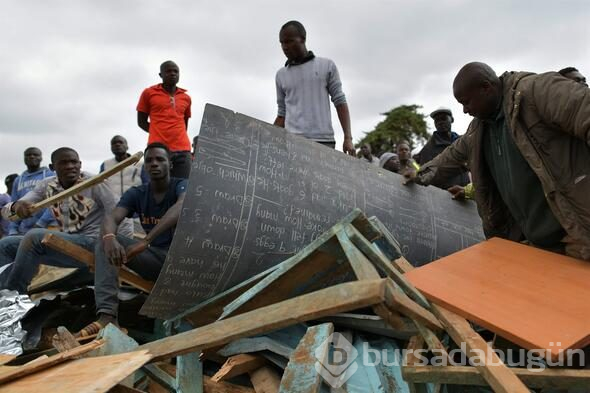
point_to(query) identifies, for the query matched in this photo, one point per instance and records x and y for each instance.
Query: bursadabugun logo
(339, 363)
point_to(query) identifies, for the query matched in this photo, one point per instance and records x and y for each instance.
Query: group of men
(525, 156)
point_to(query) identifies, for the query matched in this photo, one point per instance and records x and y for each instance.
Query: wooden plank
(64, 340)
(211, 309)
(124, 389)
(411, 358)
(301, 375)
(336, 299)
(364, 270)
(493, 370)
(84, 184)
(496, 284)
(6, 359)
(265, 380)
(238, 365)
(256, 344)
(384, 265)
(371, 324)
(466, 375)
(289, 274)
(81, 254)
(396, 299)
(189, 373)
(18, 372)
(94, 374)
(208, 385)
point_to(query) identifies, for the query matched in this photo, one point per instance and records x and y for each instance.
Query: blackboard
(257, 195)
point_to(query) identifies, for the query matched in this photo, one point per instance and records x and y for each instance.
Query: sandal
(91, 329)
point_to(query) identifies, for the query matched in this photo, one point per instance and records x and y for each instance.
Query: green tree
(403, 123)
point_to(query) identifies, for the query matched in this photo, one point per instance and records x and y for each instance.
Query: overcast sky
(72, 72)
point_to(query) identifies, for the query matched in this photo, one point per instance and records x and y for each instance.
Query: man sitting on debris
(158, 204)
(79, 218)
(528, 149)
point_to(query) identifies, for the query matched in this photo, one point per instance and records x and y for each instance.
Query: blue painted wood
(366, 378)
(256, 344)
(189, 373)
(301, 374)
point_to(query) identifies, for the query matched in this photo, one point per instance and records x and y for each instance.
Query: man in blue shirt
(158, 204)
(25, 183)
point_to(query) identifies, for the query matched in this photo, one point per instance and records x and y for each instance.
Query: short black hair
(567, 70)
(118, 136)
(298, 26)
(164, 64)
(31, 148)
(60, 151)
(157, 145)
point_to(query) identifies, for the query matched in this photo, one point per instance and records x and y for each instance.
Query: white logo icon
(339, 365)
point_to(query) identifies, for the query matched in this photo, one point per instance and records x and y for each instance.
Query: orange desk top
(534, 298)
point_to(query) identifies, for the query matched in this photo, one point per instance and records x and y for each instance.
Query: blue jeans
(27, 252)
(106, 276)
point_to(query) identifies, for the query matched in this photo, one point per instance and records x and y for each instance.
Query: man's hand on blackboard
(409, 176)
(114, 251)
(348, 147)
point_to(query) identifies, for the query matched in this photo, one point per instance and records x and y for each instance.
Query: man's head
(119, 145)
(390, 162)
(67, 166)
(9, 181)
(478, 89)
(292, 37)
(33, 158)
(170, 73)
(404, 151)
(443, 118)
(156, 161)
(366, 150)
(573, 74)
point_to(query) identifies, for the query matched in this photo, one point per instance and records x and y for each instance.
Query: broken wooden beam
(339, 298)
(238, 365)
(301, 375)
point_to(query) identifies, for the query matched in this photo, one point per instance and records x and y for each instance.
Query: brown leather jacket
(550, 122)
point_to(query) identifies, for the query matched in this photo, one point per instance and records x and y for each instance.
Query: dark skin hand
(457, 192)
(157, 165)
(116, 253)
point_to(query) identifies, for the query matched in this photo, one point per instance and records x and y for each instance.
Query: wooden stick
(82, 185)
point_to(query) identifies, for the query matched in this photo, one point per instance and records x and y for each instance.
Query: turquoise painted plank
(256, 344)
(189, 373)
(301, 374)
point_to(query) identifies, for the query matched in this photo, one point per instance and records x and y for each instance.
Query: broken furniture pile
(275, 332)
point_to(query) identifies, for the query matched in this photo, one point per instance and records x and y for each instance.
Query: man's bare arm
(142, 121)
(344, 117)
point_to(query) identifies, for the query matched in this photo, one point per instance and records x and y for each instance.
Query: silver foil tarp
(13, 308)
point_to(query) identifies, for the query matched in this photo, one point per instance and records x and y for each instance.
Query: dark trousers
(331, 145)
(181, 164)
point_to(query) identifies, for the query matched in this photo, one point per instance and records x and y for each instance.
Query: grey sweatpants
(106, 276)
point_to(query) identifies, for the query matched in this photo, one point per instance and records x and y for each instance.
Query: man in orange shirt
(168, 108)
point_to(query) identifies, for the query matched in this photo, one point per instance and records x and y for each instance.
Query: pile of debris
(339, 316)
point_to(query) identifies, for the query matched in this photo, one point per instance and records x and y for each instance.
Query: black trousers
(331, 145)
(181, 164)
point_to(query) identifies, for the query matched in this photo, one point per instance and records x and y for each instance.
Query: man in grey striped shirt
(303, 87)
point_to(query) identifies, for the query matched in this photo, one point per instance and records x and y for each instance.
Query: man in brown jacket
(528, 149)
